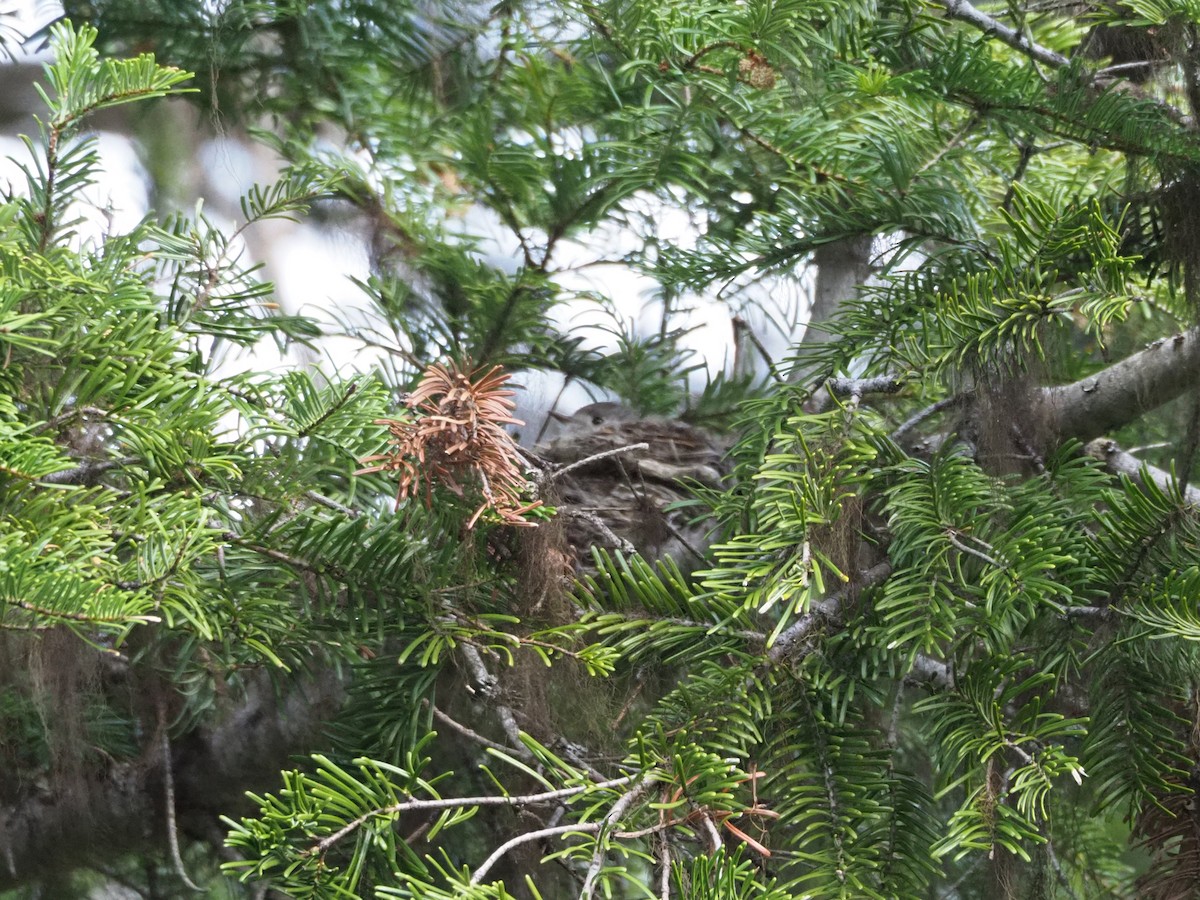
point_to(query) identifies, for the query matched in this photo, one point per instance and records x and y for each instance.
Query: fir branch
(1124, 391)
(965, 12)
(1119, 462)
(822, 612)
(614, 816)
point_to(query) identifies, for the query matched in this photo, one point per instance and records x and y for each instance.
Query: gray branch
(965, 12)
(87, 473)
(825, 611)
(1119, 462)
(1124, 391)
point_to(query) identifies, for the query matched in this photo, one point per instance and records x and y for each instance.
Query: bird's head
(595, 416)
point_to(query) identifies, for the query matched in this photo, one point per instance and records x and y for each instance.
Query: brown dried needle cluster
(457, 439)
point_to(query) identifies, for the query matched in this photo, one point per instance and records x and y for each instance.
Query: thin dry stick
(554, 476)
(607, 533)
(929, 411)
(741, 326)
(664, 863)
(169, 799)
(614, 816)
(488, 684)
(456, 802)
(586, 828)
(520, 839)
(467, 732)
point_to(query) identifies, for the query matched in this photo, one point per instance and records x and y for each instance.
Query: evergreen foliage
(945, 642)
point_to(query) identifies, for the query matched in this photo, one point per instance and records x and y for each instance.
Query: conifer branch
(1125, 390)
(1119, 462)
(824, 611)
(965, 12)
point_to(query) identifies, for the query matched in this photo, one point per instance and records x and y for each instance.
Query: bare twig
(330, 503)
(742, 327)
(81, 617)
(467, 732)
(595, 457)
(928, 412)
(519, 800)
(557, 831)
(978, 554)
(488, 685)
(664, 869)
(714, 837)
(965, 12)
(614, 816)
(169, 799)
(591, 518)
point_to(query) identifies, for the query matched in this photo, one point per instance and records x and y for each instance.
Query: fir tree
(945, 640)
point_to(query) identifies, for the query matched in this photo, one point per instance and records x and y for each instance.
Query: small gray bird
(619, 500)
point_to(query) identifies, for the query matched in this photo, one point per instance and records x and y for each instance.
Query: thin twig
(80, 617)
(467, 732)
(330, 503)
(169, 799)
(577, 828)
(928, 412)
(714, 836)
(557, 831)
(978, 554)
(965, 12)
(614, 815)
(607, 533)
(489, 686)
(664, 867)
(519, 800)
(741, 326)
(954, 141)
(596, 457)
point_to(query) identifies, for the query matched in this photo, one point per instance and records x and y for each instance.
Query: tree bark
(1125, 391)
(842, 266)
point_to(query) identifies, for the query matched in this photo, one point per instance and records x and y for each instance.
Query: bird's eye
(597, 420)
